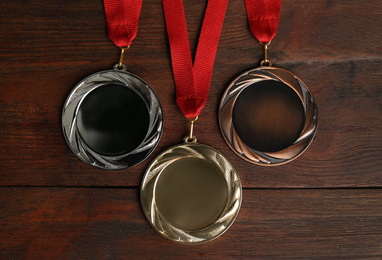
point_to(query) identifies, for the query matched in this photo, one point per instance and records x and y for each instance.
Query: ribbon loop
(192, 81)
(263, 18)
(122, 17)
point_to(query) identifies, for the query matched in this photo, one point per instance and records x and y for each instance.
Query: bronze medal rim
(71, 109)
(233, 139)
(150, 180)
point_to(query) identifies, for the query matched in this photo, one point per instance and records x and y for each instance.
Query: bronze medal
(268, 116)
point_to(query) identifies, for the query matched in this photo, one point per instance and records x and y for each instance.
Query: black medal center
(268, 116)
(113, 120)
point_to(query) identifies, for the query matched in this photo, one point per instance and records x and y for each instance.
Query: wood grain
(324, 205)
(88, 223)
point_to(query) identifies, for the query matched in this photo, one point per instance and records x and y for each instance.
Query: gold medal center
(191, 193)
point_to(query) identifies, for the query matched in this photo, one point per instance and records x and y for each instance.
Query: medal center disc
(191, 193)
(268, 116)
(113, 120)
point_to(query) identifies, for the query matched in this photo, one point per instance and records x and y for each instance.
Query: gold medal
(191, 193)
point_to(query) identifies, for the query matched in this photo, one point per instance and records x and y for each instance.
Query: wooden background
(327, 204)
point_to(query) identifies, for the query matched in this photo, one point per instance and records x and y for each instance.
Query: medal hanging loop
(191, 138)
(120, 64)
(265, 62)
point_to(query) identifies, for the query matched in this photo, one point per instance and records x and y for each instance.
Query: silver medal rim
(233, 139)
(73, 103)
(153, 173)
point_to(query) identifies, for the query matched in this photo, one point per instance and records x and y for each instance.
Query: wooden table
(327, 204)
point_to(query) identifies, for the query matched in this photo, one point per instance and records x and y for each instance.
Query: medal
(267, 115)
(113, 119)
(191, 193)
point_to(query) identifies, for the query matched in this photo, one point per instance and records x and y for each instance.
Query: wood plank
(84, 223)
(48, 46)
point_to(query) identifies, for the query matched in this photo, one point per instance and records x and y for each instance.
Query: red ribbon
(193, 80)
(263, 18)
(122, 18)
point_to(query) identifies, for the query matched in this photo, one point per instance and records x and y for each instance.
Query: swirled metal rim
(268, 158)
(71, 108)
(149, 183)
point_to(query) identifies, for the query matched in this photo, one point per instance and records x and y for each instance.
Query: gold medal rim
(268, 158)
(206, 234)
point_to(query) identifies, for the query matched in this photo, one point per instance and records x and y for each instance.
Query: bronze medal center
(191, 193)
(268, 116)
(113, 120)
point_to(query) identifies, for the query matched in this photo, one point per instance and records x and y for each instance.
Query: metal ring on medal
(268, 116)
(112, 120)
(191, 193)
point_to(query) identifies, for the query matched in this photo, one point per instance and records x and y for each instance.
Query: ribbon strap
(193, 80)
(122, 18)
(263, 18)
